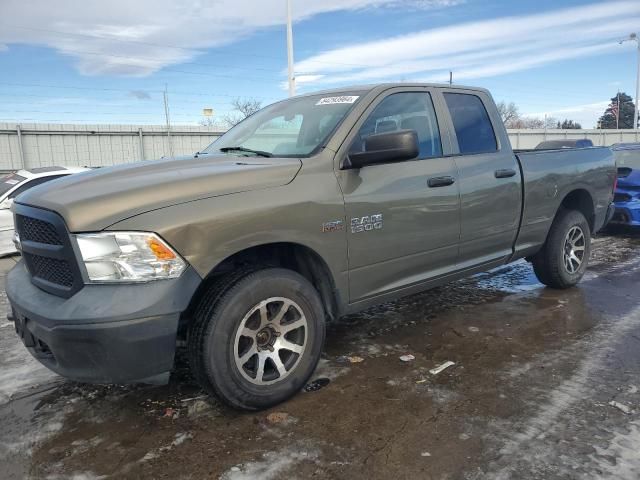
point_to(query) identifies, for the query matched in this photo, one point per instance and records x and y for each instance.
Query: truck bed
(550, 175)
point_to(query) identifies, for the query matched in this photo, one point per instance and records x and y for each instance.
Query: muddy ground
(546, 385)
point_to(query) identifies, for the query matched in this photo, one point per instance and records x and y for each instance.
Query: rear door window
(471, 123)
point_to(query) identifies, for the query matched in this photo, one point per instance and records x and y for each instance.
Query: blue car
(627, 194)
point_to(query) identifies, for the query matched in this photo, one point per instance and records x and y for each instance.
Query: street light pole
(635, 111)
(634, 38)
(292, 80)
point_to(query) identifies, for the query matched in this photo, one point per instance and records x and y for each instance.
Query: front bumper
(104, 333)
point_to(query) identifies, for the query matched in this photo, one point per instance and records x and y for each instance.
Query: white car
(14, 184)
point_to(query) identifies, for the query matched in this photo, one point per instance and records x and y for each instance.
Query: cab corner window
(403, 111)
(471, 123)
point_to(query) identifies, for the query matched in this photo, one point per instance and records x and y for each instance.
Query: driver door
(403, 227)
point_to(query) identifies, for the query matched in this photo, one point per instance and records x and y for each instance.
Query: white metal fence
(529, 138)
(41, 145)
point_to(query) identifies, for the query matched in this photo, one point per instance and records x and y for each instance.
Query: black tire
(213, 344)
(549, 264)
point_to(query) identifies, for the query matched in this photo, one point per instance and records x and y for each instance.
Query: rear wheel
(563, 259)
(258, 342)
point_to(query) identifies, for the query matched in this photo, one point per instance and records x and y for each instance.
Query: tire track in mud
(603, 443)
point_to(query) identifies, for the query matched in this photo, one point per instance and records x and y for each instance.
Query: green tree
(608, 119)
(569, 125)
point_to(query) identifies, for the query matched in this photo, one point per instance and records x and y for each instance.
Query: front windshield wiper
(259, 153)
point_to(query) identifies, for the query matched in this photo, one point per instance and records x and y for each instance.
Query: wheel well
(582, 201)
(293, 256)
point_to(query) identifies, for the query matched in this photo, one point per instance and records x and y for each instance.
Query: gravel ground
(546, 385)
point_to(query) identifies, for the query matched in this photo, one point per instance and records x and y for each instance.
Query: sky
(110, 62)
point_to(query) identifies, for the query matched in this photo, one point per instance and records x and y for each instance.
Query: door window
(404, 111)
(471, 123)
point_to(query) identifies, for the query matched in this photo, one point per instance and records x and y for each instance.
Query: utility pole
(618, 111)
(167, 119)
(633, 37)
(450, 77)
(292, 79)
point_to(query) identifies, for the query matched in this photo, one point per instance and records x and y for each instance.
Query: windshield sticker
(334, 100)
(11, 182)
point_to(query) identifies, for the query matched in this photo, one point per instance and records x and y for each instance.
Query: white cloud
(480, 49)
(132, 37)
(585, 114)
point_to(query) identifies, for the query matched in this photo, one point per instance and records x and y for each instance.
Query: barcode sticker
(341, 99)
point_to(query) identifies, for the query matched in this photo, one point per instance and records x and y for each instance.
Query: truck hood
(94, 200)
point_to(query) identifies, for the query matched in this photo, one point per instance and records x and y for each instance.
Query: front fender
(207, 231)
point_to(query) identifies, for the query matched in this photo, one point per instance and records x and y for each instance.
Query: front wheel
(563, 259)
(257, 343)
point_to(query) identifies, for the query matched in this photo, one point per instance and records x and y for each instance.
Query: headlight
(128, 257)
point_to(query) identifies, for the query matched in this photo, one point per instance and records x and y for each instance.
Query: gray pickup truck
(314, 207)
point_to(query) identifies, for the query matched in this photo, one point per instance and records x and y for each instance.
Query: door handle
(440, 181)
(505, 173)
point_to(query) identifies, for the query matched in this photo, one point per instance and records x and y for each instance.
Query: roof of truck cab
(385, 86)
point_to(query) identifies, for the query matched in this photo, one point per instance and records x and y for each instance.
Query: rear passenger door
(489, 178)
(402, 228)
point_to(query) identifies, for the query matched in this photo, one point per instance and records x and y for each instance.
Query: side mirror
(385, 148)
(6, 204)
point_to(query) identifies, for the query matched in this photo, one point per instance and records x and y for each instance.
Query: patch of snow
(326, 369)
(19, 371)
(181, 438)
(624, 448)
(24, 443)
(274, 465)
(621, 406)
(77, 476)
(371, 349)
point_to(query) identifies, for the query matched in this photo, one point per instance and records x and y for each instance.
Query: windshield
(10, 181)
(628, 157)
(294, 127)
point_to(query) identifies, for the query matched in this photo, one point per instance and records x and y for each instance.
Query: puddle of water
(517, 277)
